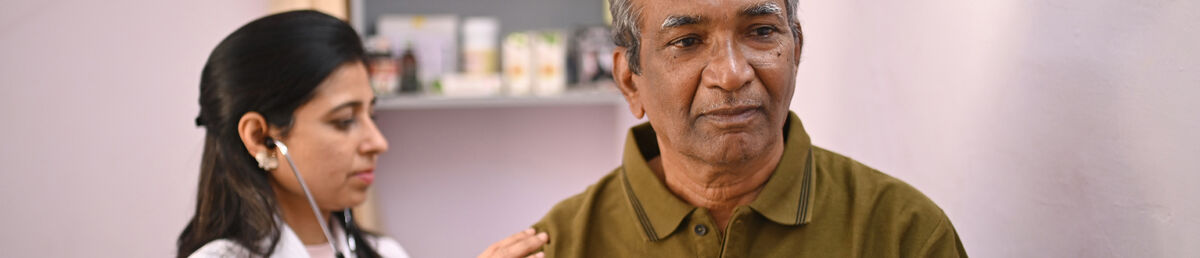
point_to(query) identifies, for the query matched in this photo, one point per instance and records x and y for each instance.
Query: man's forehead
(656, 11)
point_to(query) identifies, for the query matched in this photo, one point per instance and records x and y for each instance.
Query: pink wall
(1059, 128)
(456, 180)
(98, 151)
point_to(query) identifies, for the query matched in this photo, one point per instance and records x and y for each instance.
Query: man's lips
(730, 110)
(732, 115)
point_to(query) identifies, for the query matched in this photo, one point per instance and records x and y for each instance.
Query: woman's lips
(367, 176)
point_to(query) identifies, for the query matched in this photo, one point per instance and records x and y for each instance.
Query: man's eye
(685, 42)
(764, 31)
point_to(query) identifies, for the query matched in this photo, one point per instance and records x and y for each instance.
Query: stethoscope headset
(273, 144)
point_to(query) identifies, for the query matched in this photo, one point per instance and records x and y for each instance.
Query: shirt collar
(290, 245)
(785, 199)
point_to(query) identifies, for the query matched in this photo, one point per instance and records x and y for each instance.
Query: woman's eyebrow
(349, 104)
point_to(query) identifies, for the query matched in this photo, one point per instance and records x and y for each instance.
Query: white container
(479, 46)
(518, 64)
(550, 60)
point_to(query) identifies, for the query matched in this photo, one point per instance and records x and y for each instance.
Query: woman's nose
(374, 143)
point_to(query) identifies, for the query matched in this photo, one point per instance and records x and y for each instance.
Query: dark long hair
(270, 66)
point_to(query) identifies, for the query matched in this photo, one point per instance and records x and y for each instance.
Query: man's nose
(727, 69)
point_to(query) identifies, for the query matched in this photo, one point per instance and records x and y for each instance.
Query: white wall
(99, 155)
(1062, 128)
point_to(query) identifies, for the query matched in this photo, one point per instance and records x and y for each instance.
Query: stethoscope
(271, 143)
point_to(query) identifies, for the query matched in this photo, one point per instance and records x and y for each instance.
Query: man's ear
(623, 76)
(799, 43)
(253, 130)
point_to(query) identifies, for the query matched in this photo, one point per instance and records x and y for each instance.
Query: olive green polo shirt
(816, 204)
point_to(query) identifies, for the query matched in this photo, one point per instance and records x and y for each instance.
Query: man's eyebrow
(760, 9)
(680, 20)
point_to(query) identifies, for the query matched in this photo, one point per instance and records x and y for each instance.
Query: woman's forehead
(348, 83)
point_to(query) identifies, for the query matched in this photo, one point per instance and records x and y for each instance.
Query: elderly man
(723, 169)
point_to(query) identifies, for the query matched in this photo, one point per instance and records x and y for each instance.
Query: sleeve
(219, 248)
(388, 247)
(942, 242)
(539, 227)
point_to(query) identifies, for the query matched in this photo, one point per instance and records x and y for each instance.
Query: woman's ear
(253, 130)
(623, 76)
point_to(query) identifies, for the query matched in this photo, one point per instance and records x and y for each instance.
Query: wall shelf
(584, 96)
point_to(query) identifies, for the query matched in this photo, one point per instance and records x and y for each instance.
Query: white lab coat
(290, 246)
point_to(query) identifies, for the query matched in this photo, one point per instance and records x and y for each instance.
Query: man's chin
(735, 148)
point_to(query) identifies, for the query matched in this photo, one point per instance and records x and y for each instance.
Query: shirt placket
(733, 245)
(703, 232)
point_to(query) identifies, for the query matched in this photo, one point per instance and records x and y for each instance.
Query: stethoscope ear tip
(272, 143)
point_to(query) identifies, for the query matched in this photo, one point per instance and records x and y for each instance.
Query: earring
(266, 161)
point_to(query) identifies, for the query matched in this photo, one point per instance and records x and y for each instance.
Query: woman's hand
(517, 245)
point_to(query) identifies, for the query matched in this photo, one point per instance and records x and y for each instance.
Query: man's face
(717, 76)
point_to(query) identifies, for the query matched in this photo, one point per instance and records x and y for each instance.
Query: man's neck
(298, 215)
(719, 189)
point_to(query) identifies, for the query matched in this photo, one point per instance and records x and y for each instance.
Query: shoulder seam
(941, 223)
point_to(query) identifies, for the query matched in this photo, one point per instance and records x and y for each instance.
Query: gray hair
(625, 31)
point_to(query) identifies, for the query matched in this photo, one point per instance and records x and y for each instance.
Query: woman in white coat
(283, 98)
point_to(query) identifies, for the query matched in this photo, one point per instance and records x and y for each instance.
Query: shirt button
(700, 230)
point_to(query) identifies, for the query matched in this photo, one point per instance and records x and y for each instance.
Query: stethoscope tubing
(311, 201)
